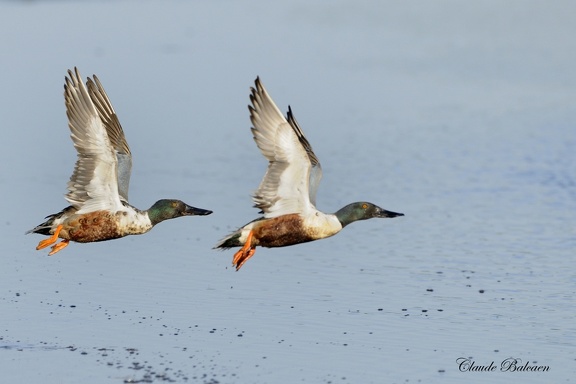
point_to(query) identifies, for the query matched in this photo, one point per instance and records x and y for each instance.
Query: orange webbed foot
(51, 240)
(243, 257)
(58, 247)
(246, 252)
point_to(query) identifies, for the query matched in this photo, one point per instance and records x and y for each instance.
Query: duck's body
(287, 193)
(284, 230)
(95, 226)
(98, 187)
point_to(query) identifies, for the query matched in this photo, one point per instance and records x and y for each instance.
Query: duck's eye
(174, 204)
(364, 206)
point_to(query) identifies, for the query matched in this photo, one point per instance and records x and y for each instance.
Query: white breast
(134, 222)
(322, 225)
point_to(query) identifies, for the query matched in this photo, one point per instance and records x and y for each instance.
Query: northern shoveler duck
(98, 187)
(287, 193)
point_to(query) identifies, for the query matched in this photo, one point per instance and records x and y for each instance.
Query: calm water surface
(460, 116)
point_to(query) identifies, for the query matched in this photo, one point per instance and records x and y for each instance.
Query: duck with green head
(98, 187)
(287, 193)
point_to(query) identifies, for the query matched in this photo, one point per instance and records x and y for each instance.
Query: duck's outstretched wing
(316, 170)
(115, 134)
(286, 186)
(93, 185)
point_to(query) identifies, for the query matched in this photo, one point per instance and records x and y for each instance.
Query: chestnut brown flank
(280, 232)
(94, 226)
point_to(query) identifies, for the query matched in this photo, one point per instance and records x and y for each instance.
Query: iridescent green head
(362, 211)
(170, 209)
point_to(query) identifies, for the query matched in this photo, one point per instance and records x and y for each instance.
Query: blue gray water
(460, 115)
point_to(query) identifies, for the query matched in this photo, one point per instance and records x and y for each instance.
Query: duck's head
(170, 209)
(362, 211)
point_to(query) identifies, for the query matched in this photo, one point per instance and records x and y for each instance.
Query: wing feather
(285, 187)
(93, 185)
(316, 171)
(115, 132)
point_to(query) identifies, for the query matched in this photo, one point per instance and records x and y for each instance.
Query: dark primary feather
(305, 143)
(316, 171)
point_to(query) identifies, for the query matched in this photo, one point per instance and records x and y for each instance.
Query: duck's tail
(46, 228)
(230, 241)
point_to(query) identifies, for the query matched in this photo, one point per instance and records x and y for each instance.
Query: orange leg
(246, 252)
(51, 240)
(58, 247)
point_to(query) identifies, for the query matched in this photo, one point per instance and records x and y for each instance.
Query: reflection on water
(425, 110)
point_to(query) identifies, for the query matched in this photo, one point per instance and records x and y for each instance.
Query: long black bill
(193, 211)
(389, 214)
